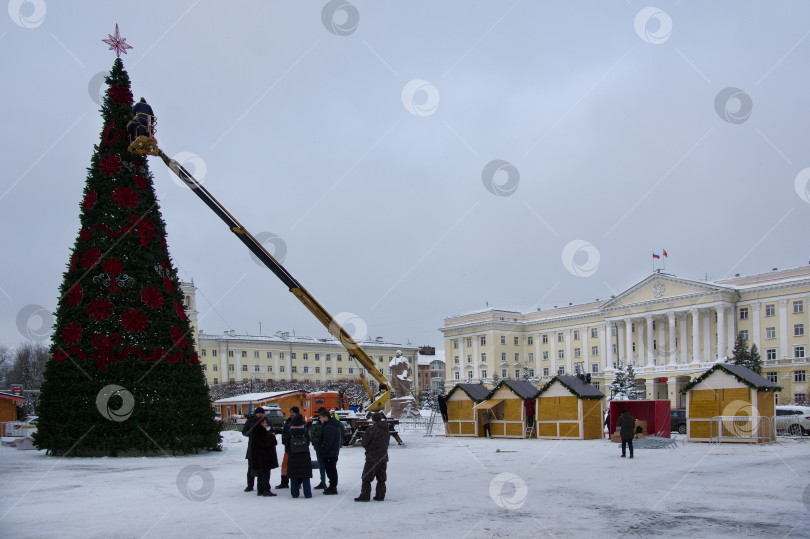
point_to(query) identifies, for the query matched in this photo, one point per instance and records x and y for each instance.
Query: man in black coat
(285, 435)
(628, 430)
(329, 447)
(375, 440)
(251, 422)
(142, 120)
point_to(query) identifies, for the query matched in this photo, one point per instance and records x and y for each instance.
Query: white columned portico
(682, 339)
(721, 332)
(569, 367)
(695, 335)
(671, 340)
(603, 329)
(553, 352)
(648, 334)
(731, 336)
(628, 341)
(707, 336)
(755, 337)
(783, 329)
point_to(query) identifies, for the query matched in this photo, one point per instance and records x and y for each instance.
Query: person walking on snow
(375, 440)
(628, 430)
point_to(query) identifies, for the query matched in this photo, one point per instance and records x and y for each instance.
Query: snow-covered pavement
(454, 487)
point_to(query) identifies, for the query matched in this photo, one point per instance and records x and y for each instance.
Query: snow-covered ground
(455, 487)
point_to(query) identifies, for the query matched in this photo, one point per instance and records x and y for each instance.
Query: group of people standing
(326, 438)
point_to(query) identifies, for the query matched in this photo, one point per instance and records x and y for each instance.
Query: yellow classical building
(229, 357)
(671, 329)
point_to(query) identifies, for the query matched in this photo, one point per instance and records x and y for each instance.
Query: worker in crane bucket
(143, 120)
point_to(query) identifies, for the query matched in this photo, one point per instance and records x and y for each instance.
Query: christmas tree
(123, 374)
(745, 357)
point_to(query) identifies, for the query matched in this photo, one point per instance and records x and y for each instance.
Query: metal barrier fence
(757, 429)
(426, 425)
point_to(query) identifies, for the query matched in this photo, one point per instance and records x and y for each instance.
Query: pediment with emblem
(661, 288)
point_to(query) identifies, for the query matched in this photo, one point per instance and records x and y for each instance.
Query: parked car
(677, 418)
(275, 419)
(793, 420)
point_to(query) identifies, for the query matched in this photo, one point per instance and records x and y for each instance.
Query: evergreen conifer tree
(633, 393)
(754, 360)
(740, 355)
(619, 385)
(123, 374)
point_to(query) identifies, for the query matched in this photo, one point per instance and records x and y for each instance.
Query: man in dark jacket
(251, 422)
(142, 120)
(285, 435)
(628, 430)
(316, 435)
(375, 440)
(329, 447)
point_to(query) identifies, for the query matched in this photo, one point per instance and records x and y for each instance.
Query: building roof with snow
(742, 374)
(524, 390)
(252, 397)
(477, 392)
(575, 386)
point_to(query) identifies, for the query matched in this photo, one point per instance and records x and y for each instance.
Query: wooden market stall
(461, 420)
(567, 407)
(652, 417)
(730, 403)
(506, 402)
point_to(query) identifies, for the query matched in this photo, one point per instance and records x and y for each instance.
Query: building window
(614, 349)
(292, 355)
(545, 371)
(594, 333)
(545, 355)
(743, 313)
(770, 333)
(798, 330)
(230, 353)
(596, 385)
(457, 376)
(281, 355)
(744, 334)
(203, 366)
(269, 355)
(469, 359)
(340, 370)
(231, 368)
(770, 309)
(517, 341)
(328, 370)
(798, 376)
(577, 352)
(531, 357)
(632, 327)
(328, 357)
(594, 368)
(483, 357)
(517, 373)
(517, 358)
(317, 357)
(469, 342)
(483, 340)
(203, 352)
(294, 369)
(530, 340)
(799, 398)
(232, 380)
(560, 370)
(216, 381)
(503, 339)
(214, 353)
(770, 354)
(560, 336)
(576, 334)
(798, 307)
(317, 370)
(244, 368)
(503, 357)
(614, 331)
(281, 369)
(305, 370)
(306, 356)
(798, 352)
(504, 374)
(269, 368)
(455, 344)
(215, 366)
(380, 359)
(594, 350)
(545, 338)
(340, 357)
(455, 360)
(255, 354)
(531, 373)
(771, 376)
(560, 354)
(484, 374)
(469, 376)
(257, 368)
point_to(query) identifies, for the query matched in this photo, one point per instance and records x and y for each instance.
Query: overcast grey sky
(411, 161)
